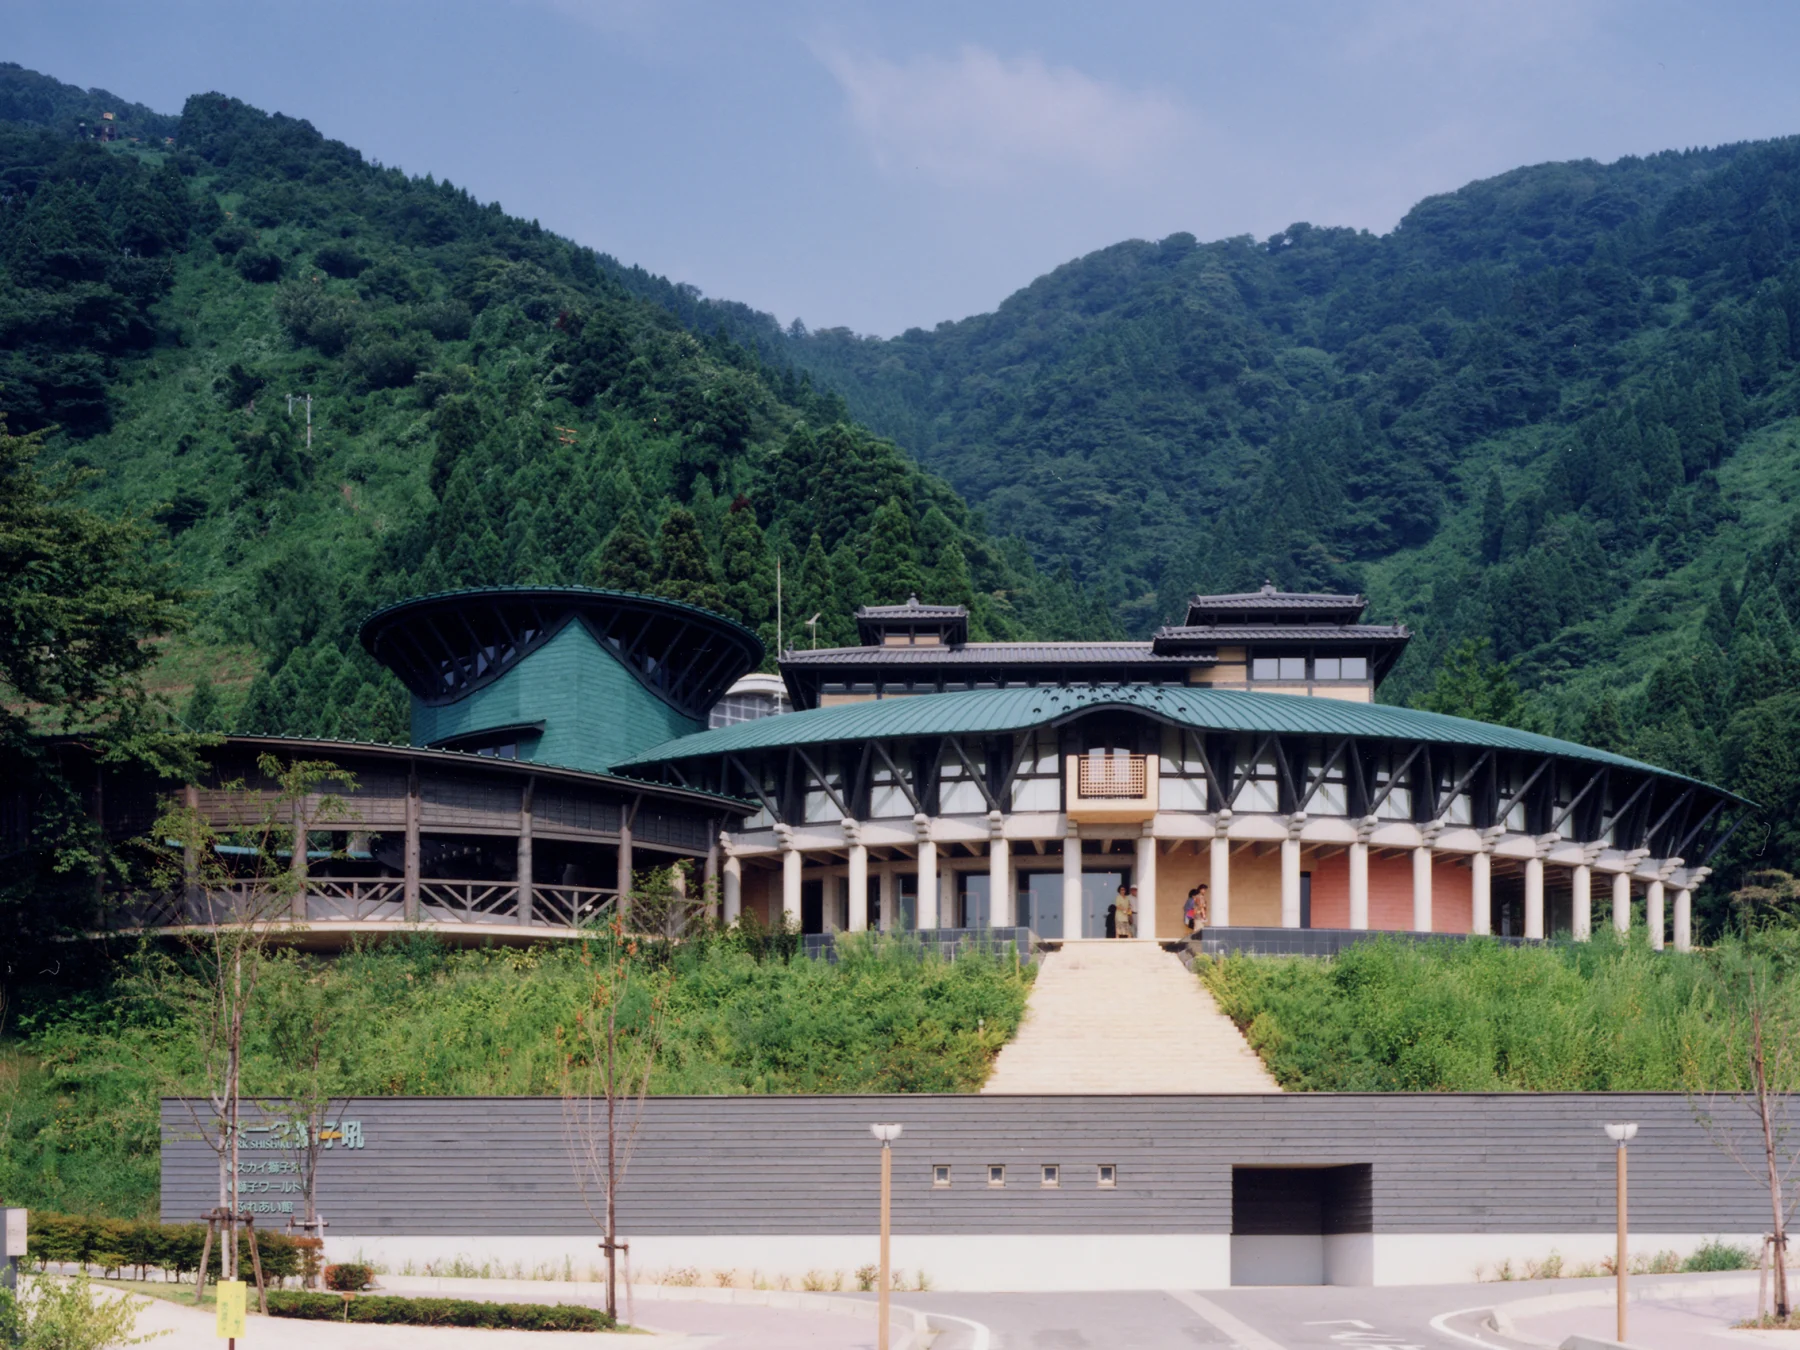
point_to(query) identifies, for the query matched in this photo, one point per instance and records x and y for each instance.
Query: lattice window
(1111, 773)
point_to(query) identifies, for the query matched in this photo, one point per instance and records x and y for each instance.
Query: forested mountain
(1552, 412)
(334, 385)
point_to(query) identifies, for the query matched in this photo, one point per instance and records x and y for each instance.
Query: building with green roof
(1231, 779)
(1234, 770)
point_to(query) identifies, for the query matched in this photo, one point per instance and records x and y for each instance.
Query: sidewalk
(1665, 1313)
(676, 1319)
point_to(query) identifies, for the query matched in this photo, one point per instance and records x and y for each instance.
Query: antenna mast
(307, 399)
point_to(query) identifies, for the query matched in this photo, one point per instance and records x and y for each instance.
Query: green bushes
(65, 1315)
(1476, 1016)
(1717, 1254)
(438, 1312)
(131, 1244)
(412, 1016)
(348, 1277)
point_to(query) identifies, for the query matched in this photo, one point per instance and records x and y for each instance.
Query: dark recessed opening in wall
(1302, 1225)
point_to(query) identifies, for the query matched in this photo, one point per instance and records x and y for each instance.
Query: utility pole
(1621, 1135)
(307, 399)
(886, 1134)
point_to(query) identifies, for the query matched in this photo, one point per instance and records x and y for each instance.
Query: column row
(932, 904)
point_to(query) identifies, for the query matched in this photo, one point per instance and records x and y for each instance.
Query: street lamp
(886, 1134)
(1621, 1134)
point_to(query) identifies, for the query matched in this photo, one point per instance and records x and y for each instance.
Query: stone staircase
(1124, 1016)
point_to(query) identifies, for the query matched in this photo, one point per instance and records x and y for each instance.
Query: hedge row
(438, 1312)
(141, 1245)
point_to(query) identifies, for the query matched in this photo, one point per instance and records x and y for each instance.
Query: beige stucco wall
(1256, 888)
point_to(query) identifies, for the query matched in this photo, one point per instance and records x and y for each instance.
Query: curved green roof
(989, 711)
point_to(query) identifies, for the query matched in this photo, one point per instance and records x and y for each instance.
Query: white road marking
(983, 1336)
(1437, 1324)
(1342, 1322)
(1245, 1336)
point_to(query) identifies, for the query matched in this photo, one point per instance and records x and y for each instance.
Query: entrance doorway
(1041, 903)
(1098, 890)
(1306, 899)
(1302, 1225)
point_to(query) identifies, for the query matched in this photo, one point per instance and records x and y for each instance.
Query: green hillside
(490, 403)
(1552, 412)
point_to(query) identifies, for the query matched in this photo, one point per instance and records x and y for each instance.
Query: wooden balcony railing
(369, 899)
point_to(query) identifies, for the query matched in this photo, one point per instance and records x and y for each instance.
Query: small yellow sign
(231, 1295)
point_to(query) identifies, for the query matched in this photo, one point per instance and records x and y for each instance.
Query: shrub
(258, 264)
(446, 320)
(348, 1277)
(340, 260)
(145, 1245)
(65, 1315)
(1717, 1254)
(438, 1312)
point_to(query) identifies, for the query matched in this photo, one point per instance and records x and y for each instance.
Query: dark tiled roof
(1273, 599)
(912, 609)
(1284, 632)
(990, 653)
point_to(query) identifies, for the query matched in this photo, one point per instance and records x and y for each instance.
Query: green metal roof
(989, 711)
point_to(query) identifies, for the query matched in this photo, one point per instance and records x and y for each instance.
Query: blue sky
(881, 166)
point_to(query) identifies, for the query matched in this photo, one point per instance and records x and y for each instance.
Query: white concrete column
(1534, 897)
(927, 898)
(1653, 913)
(1621, 902)
(1071, 873)
(1146, 884)
(1421, 888)
(1481, 893)
(790, 884)
(947, 897)
(733, 887)
(1581, 902)
(1290, 879)
(927, 886)
(1000, 893)
(857, 901)
(829, 889)
(1684, 919)
(1359, 885)
(888, 891)
(1220, 885)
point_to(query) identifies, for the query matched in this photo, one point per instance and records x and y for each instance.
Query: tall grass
(413, 1017)
(1477, 1016)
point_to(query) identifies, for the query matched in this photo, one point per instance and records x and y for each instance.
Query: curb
(909, 1321)
(1500, 1317)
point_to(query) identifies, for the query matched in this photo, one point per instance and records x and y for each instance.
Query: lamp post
(886, 1134)
(1621, 1134)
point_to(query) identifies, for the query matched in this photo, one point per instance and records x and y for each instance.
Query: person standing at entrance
(1112, 921)
(1127, 924)
(1193, 914)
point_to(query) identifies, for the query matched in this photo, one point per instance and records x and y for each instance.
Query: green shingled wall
(595, 712)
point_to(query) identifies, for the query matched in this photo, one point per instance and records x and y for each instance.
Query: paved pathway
(674, 1325)
(1124, 1017)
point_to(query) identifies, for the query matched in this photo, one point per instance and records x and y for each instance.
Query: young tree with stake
(608, 1057)
(245, 891)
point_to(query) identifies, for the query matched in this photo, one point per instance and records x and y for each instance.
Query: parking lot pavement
(673, 1326)
(1677, 1313)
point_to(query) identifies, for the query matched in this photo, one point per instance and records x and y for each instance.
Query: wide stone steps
(1124, 1016)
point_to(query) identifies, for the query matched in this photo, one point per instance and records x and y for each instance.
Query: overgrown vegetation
(1477, 1016)
(415, 1017)
(388, 1310)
